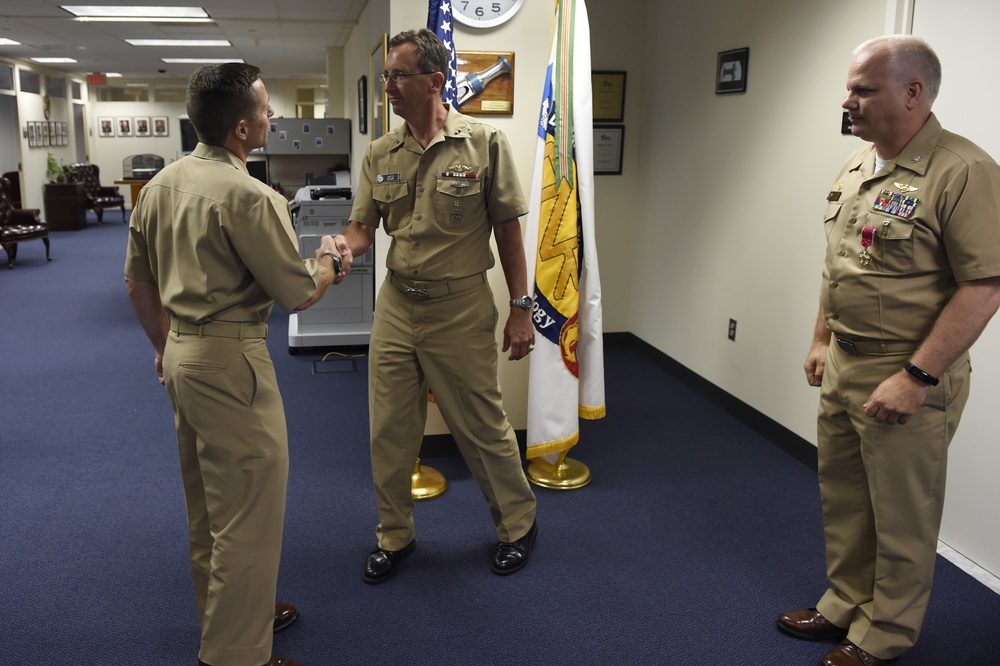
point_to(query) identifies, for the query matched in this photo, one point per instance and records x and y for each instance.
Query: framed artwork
(731, 71)
(45, 132)
(608, 90)
(32, 140)
(379, 102)
(160, 126)
(124, 126)
(141, 125)
(363, 104)
(609, 146)
(106, 126)
(486, 82)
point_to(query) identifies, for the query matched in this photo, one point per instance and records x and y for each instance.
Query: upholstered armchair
(18, 225)
(98, 196)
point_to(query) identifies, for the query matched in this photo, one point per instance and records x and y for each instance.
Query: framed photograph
(608, 89)
(486, 82)
(160, 126)
(379, 102)
(609, 146)
(124, 126)
(141, 125)
(45, 132)
(363, 104)
(32, 140)
(105, 126)
(731, 71)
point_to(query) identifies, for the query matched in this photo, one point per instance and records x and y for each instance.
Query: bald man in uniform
(910, 281)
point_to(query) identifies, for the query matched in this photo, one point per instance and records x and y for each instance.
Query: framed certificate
(609, 146)
(608, 89)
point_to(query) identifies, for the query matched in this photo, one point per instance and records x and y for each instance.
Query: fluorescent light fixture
(113, 75)
(143, 13)
(203, 61)
(53, 60)
(140, 19)
(179, 42)
(8, 42)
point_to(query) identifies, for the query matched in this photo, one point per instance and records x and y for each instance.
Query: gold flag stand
(427, 482)
(567, 475)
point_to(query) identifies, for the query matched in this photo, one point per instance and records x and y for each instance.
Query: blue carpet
(695, 533)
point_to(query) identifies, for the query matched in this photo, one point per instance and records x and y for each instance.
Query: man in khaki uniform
(441, 183)
(210, 249)
(910, 282)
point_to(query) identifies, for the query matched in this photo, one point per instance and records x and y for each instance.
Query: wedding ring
(530, 347)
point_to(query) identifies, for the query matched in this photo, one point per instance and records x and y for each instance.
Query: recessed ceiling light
(8, 42)
(120, 12)
(53, 60)
(113, 75)
(205, 61)
(179, 42)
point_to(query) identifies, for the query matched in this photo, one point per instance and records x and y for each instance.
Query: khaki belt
(421, 291)
(874, 346)
(220, 329)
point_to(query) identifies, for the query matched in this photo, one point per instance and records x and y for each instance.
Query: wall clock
(484, 13)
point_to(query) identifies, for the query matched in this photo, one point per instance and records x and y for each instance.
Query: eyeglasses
(396, 77)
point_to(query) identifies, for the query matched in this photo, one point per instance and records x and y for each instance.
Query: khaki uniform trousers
(233, 445)
(445, 343)
(882, 489)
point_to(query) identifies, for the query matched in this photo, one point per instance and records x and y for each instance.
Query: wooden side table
(136, 185)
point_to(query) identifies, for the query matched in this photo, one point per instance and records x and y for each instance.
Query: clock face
(484, 13)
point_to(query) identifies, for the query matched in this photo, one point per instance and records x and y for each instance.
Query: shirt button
(420, 217)
(843, 253)
(834, 285)
(420, 189)
(853, 220)
(835, 316)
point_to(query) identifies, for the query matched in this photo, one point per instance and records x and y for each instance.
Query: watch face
(484, 13)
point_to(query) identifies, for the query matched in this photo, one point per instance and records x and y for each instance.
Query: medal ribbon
(867, 236)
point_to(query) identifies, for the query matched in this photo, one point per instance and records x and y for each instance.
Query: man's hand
(816, 363)
(518, 334)
(896, 399)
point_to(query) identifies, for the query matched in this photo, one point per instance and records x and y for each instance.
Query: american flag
(439, 20)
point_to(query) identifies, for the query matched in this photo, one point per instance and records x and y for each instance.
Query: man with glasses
(441, 183)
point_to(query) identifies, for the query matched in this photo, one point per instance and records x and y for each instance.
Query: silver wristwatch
(524, 303)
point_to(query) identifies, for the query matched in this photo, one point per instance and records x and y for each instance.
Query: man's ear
(241, 129)
(914, 94)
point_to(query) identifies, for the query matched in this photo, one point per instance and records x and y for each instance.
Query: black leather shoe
(810, 625)
(509, 557)
(381, 564)
(285, 616)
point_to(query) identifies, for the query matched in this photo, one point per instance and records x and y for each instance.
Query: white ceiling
(285, 38)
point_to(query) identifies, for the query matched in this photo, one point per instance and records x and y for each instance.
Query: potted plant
(57, 173)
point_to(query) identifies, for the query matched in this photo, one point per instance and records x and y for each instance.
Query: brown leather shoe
(810, 625)
(275, 661)
(849, 654)
(285, 616)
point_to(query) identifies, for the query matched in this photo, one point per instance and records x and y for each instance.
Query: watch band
(337, 263)
(925, 377)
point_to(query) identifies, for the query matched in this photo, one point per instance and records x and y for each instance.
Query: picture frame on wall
(141, 125)
(379, 101)
(486, 82)
(731, 71)
(608, 90)
(363, 104)
(161, 126)
(32, 141)
(106, 126)
(45, 132)
(124, 124)
(609, 147)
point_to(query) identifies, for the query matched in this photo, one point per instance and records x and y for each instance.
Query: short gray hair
(909, 57)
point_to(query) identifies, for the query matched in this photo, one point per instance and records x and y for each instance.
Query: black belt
(875, 346)
(220, 329)
(423, 290)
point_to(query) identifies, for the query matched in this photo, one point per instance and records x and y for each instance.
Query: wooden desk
(136, 184)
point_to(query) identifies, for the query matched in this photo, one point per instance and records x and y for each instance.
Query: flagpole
(427, 482)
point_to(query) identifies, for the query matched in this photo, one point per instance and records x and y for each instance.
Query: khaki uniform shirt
(439, 204)
(934, 216)
(217, 242)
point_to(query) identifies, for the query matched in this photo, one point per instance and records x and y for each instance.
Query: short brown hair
(219, 96)
(432, 56)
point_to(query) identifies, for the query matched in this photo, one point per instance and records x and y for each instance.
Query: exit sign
(95, 79)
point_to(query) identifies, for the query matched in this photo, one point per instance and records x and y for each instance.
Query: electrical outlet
(732, 330)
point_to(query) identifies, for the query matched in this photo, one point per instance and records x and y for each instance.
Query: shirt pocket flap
(890, 228)
(390, 192)
(832, 211)
(459, 187)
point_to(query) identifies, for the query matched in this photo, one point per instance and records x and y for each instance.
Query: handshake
(329, 247)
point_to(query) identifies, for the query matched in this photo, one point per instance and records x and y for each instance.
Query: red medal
(867, 236)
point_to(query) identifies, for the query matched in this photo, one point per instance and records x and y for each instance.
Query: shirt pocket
(456, 200)
(830, 217)
(392, 201)
(893, 243)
